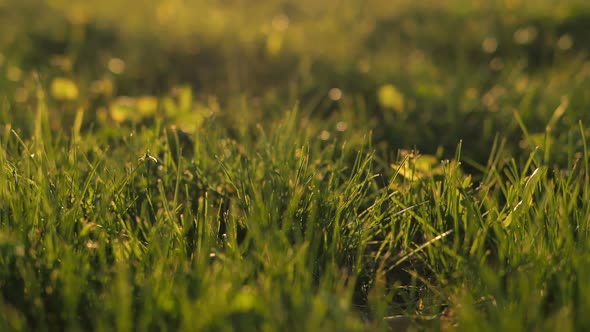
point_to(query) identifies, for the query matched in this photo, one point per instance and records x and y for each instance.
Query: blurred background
(417, 74)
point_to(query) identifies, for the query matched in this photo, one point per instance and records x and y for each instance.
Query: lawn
(281, 165)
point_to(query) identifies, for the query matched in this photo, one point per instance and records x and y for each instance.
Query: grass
(277, 167)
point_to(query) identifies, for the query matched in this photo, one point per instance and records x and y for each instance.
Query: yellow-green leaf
(123, 109)
(274, 43)
(147, 105)
(390, 97)
(64, 89)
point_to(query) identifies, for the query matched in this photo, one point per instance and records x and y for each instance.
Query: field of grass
(306, 165)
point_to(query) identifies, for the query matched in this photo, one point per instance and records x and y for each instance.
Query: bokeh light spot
(116, 65)
(489, 45)
(14, 74)
(496, 64)
(280, 22)
(335, 94)
(341, 126)
(21, 95)
(565, 42)
(525, 35)
(364, 66)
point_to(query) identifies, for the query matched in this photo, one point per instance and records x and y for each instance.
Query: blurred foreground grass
(282, 165)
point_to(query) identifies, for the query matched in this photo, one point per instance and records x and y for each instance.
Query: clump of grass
(265, 234)
(279, 227)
